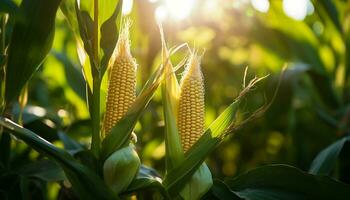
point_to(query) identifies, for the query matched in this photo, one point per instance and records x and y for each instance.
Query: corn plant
(111, 168)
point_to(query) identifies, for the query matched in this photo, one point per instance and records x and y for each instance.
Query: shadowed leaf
(85, 182)
(30, 43)
(326, 160)
(275, 182)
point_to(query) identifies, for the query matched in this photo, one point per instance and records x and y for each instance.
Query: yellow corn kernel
(122, 82)
(191, 103)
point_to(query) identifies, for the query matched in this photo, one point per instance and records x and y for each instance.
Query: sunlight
(296, 9)
(179, 9)
(36, 110)
(261, 5)
(175, 9)
(127, 7)
(160, 13)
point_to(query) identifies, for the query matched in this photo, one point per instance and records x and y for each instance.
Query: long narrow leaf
(196, 155)
(326, 160)
(8, 6)
(46, 170)
(170, 91)
(31, 40)
(330, 8)
(109, 36)
(221, 191)
(86, 183)
(274, 182)
(68, 9)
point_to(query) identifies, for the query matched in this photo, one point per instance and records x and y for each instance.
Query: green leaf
(30, 42)
(121, 132)
(68, 9)
(147, 172)
(221, 191)
(5, 144)
(109, 36)
(87, 158)
(170, 91)
(70, 145)
(141, 184)
(46, 170)
(8, 6)
(144, 183)
(147, 179)
(326, 160)
(73, 74)
(2, 60)
(178, 176)
(24, 185)
(86, 184)
(275, 182)
(295, 46)
(332, 12)
(82, 28)
(86, 25)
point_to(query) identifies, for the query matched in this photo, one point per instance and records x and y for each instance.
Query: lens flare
(261, 5)
(296, 9)
(127, 7)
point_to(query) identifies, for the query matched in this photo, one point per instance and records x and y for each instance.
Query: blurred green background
(311, 110)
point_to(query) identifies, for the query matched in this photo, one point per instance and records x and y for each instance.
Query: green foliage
(221, 191)
(109, 36)
(74, 76)
(325, 161)
(8, 6)
(46, 170)
(286, 182)
(31, 41)
(84, 181)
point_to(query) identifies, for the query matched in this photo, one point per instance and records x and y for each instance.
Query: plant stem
(95, 41)
(95, 117)
(2, 44)
(346, 96)
(2, 66)
(5, 139)
(95, 113)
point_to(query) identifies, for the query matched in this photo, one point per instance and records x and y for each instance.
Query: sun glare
(296, 9)
(127, 7)
(161, 13)
(174, 9)
(179, 9)
(261, 5)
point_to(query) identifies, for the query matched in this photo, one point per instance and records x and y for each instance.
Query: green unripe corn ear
(121, 168)
(199, 184)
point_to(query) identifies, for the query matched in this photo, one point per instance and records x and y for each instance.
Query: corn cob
(122, 82)
(191, 103)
